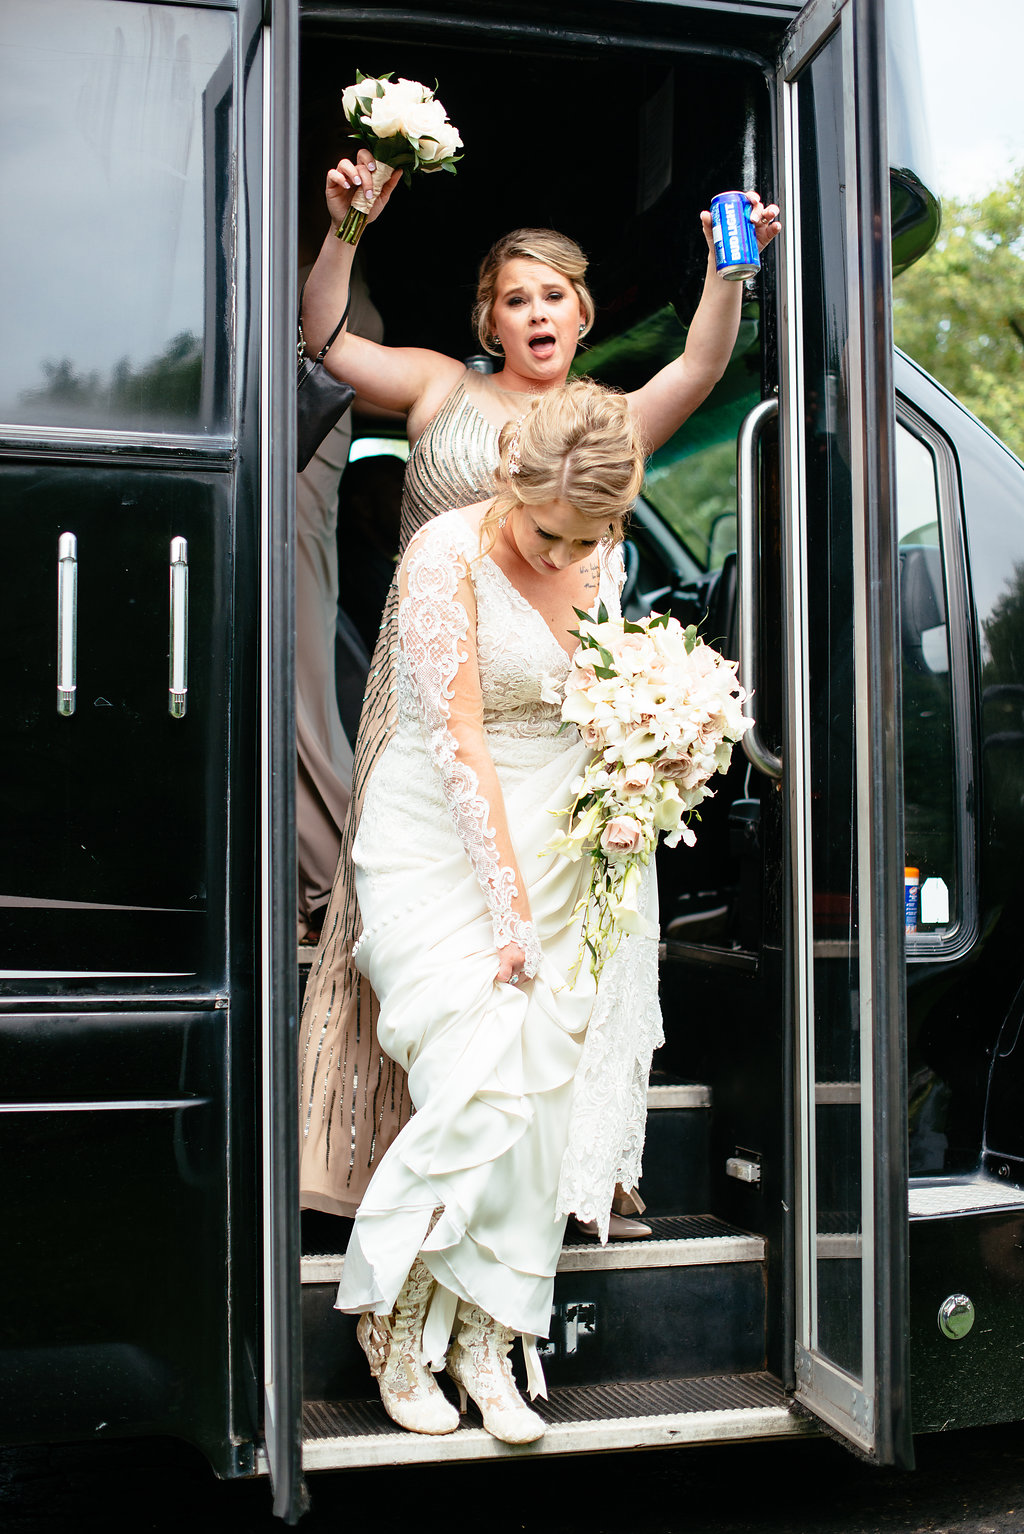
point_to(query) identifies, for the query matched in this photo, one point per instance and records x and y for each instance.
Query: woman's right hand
(347, 177)
(511, 960)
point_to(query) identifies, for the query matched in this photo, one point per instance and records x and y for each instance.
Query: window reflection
(929, 777)
(114, 161)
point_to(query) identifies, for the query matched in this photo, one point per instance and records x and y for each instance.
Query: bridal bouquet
(404, 127)
(662, 711)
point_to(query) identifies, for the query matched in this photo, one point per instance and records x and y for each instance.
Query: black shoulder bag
(321, 399)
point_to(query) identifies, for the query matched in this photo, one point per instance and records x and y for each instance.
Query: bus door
(126, 894)
(842, 746)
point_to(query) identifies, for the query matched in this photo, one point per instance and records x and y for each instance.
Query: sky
(972, 53)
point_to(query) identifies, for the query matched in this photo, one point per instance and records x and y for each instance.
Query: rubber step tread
(583, 1418)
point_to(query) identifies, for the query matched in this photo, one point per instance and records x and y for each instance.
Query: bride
(471, 931)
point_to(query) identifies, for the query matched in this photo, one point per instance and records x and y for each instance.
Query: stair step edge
(618, 1256)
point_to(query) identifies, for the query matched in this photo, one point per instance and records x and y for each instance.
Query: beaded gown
(511, 1127)
(354, 1098)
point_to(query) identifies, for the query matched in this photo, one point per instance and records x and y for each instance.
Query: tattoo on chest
(592, 575)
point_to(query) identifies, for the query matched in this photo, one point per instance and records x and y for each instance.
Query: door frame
(282, 1294)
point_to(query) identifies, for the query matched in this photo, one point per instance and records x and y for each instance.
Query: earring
(582, 327)
(496, 345)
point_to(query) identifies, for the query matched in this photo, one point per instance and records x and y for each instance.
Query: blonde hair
(543, 245)
(577, 444)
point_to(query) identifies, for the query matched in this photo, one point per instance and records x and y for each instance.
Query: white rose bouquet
(404, 127)
(662, 711)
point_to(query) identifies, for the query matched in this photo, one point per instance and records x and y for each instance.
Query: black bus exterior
(835, 1161)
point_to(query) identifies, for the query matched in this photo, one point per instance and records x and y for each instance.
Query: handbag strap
(335, 333)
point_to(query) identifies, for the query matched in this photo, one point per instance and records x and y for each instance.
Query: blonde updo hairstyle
(577, 444)
(544, 245)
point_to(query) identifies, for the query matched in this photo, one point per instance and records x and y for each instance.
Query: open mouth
(542, 345)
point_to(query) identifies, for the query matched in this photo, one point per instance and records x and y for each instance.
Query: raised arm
(406, 379)
(437, 632)
(669, 398)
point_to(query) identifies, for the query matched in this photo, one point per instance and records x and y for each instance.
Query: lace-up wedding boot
(478, 1362)
(393, 1346)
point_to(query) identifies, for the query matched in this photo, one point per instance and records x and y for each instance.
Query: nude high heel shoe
(393, 1346)
(478, 1363)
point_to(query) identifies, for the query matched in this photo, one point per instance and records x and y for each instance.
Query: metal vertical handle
(748, 544)
(67, 622)
(178, 644)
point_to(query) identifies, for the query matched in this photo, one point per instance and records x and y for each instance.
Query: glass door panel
(843, 751)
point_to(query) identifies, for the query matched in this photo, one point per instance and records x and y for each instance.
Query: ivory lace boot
(393, 1346)
(479, 1364)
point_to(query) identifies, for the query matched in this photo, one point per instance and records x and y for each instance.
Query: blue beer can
(736, 252)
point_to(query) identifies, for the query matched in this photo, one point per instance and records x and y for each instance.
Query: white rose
(439, 145)
(356, 99)
(423, 120)
(384, 119)
(388, 112)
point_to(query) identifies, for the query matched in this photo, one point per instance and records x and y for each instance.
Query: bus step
(676, 1158)
(582, 1419)
(702, 1279)
(676, 1241)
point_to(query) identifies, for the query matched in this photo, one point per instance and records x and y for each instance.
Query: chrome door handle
(177, 699)
(748, 571)
(67, 622)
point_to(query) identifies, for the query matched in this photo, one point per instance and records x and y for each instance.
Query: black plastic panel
(114, 1303)
(115, 818)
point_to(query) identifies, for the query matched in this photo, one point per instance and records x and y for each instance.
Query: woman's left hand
(765, 220)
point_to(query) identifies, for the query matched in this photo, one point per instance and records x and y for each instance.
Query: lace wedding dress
(531, 1100)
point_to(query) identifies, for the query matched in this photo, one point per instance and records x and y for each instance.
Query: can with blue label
(736, 252)
(911, 897)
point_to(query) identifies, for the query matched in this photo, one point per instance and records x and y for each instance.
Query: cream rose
(356, 99)
(438, 145)
(637, 777)
(622, 836)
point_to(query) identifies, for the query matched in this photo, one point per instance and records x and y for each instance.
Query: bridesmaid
(533, 307)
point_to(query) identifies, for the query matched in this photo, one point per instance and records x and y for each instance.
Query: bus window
(115, 313)
(931, 799)
(692, 479)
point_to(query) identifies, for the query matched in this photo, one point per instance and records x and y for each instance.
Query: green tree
(959, 311)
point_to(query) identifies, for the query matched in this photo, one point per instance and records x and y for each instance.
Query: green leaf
(607, 657)
(690, 638)
(631, 628)
(659, 621)
(602, 613)
(582, 616)
(606, 673)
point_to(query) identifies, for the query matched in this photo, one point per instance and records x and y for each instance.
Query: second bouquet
(662, 711)
(405, 128)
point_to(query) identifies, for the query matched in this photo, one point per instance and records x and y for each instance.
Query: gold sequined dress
(353, 1100)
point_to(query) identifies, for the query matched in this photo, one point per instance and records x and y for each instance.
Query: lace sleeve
(615, 564)
(437, 632)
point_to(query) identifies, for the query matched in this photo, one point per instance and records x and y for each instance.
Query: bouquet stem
(354, 221)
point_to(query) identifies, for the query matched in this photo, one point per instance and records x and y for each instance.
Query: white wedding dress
(530, 1101)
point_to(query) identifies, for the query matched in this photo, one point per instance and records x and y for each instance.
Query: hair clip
(514, 462)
